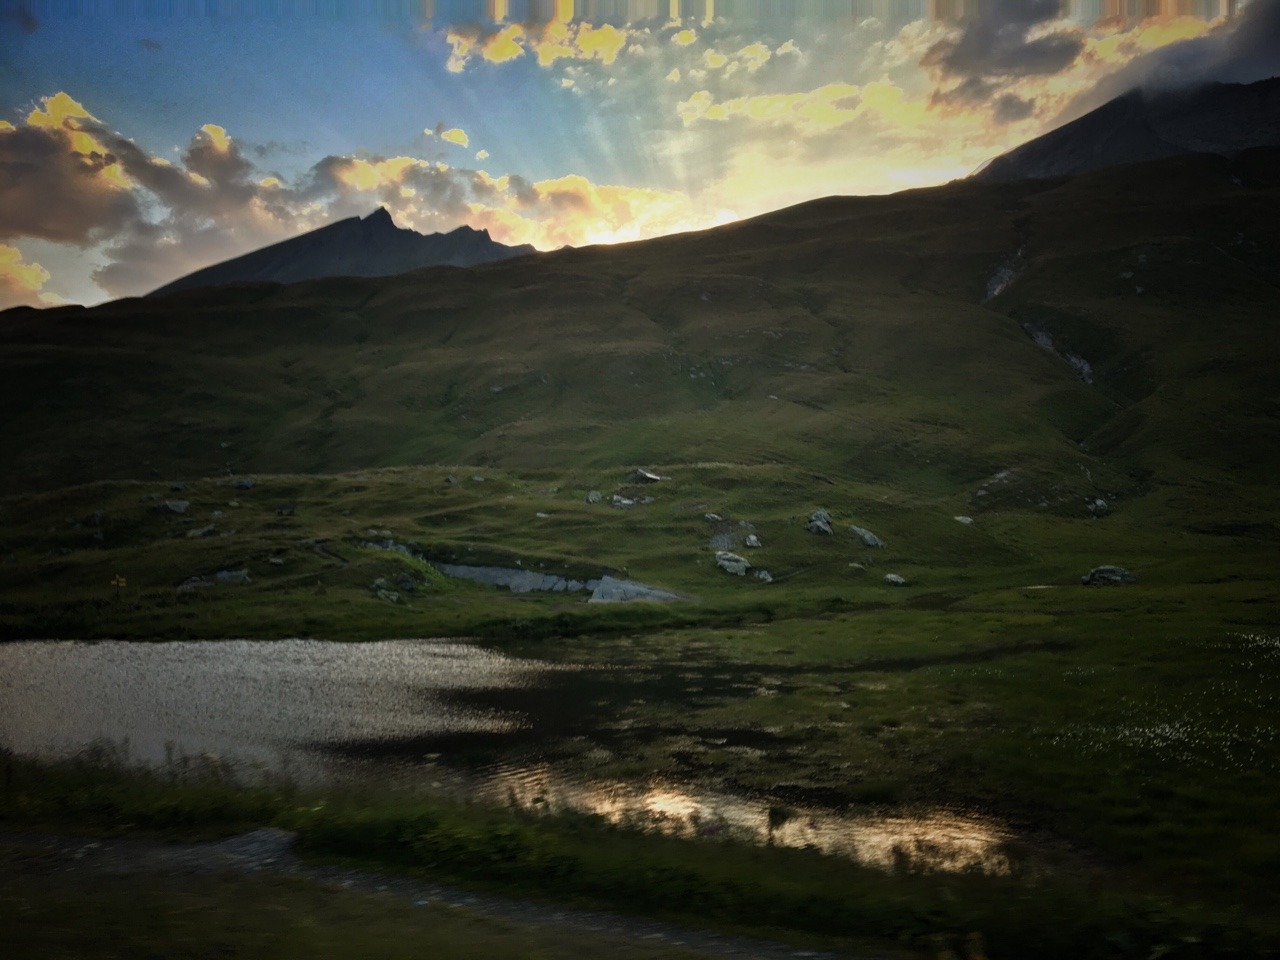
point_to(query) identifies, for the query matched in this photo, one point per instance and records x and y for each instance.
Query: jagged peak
(380, 217)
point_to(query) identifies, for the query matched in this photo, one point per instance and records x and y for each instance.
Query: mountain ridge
(1140, 126)
(369, 246)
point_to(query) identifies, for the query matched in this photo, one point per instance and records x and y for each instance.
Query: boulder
(595, 496)
(764, 576)
(276, 561)
(612, 590)
(753, 541)
(640, 475)
(732, 563)
(622, 502)
(177, 506)
(894, 580)
(712, 518)
(405, 583)
(209, 531)
(1108, 576)
(866, 536)
(233, 576)
(243, 483)
(194, 583)
(820, 522)
(967, 521)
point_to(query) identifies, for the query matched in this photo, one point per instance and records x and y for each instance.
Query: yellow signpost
(118, 581)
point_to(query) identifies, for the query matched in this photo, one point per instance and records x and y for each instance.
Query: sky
(143, 139)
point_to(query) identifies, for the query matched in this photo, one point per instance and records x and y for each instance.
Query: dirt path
(271, 851)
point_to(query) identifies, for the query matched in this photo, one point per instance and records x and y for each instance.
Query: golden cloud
(20, 282)
(813, 111)
(456, 135)
(560, 39)
(216, 137)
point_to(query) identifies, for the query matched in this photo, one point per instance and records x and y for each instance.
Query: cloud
(547, 42)
(1007, 39)
(812, 111)
(1185, 52)
(457, 136)
(20, 282)
(59, 180)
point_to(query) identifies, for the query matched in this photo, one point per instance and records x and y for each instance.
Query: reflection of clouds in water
(931, 840)
(252, 701)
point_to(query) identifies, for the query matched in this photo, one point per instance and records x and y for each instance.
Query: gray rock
(713, 518)
(612, 590)
(217, 515)
(622, 502)
(243, 483)
(820, 522)
(732, 563)
(276, 561)
(1108, 576)
(1099, 507)
(405, 583)
(965, 520)
(764, 576)
(753, 541)
(233, 576)
(894, 580)
(194, 583)
(640, 475)
(723, 540)
(209, 531)
(390, 596)
(866, 536)
(595, 496)
(451, 480)
(177, 506)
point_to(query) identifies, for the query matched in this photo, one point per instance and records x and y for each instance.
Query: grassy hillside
(1009, 385)
(846, 336)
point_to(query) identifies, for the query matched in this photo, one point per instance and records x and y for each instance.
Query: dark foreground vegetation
(816, 900)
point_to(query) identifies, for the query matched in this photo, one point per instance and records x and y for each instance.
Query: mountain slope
(846, 337)
(370, 247)
(1224, 119)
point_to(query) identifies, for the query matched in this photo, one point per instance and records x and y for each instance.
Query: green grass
(836, 355)
(820, 901)
(252, 917)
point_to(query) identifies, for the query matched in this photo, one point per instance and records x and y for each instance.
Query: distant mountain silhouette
(1221, 118)
(372, 246)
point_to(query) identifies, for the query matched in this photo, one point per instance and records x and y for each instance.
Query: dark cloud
(1010, 108)
(50, 192)
(997, 46)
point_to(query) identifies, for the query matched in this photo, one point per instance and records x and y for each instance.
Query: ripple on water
(256, 701)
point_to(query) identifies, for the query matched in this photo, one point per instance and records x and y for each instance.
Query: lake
(446, 717)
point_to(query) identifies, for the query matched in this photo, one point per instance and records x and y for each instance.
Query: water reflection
(263, 703)
(929, 840)
(295, 707)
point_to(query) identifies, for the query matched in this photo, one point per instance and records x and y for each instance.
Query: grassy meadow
(841, 355)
